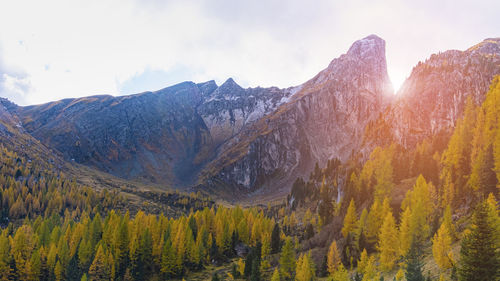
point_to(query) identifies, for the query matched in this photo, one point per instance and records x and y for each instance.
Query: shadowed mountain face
(163, 137)
(211, 136)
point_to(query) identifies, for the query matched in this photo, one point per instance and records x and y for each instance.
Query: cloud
(79, 48)
(14, 85)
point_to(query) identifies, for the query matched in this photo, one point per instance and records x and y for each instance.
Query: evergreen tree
(253, 260)
(414, 264)
(255, 275)
(479, 258)
(145, 255)
(275, 239)
(122, 248)
(309, 231)
(73, 271)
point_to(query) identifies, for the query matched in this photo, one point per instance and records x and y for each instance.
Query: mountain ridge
(207, 136)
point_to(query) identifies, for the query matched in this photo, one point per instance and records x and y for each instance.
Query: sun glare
(397, 80)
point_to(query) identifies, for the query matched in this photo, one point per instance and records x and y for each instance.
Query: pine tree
(441, 248)
(414, 264)
(287, 260)
(145, 255)
(255, 275)
(494, 216)
(479, 258)
(122, 248)
(350, 219)
(73, 271)
(275, 239)
(333, 258)
(388, 239)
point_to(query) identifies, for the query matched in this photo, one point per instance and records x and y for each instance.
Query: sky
(55, 49)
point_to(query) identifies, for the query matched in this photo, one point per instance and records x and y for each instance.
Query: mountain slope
(188, 133)
(324, 119)
(433, 98)
(161, 137)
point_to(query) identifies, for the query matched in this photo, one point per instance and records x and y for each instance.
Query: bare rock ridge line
(211, 136)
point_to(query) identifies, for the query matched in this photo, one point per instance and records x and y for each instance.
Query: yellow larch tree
(333, 258)
(388, 239)
(350, 219)
(404, 232)
(441, 248)
(305, 268)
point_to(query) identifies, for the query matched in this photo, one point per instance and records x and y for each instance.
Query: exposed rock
(433, 98)
(324, 119)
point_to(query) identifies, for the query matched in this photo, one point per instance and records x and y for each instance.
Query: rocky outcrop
(433, 98)
(325, 118)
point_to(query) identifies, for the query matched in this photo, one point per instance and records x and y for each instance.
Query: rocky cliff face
(433, 98)
(325, 118)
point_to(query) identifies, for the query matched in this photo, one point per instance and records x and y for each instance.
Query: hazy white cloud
(57, 49)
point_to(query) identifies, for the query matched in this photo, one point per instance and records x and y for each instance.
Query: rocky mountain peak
(488, 46)
(230, 86)
(371, 46)
(363, 64)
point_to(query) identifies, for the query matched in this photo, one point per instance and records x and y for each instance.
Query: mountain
(433, 97)
(231, 139)
(201, 133)
(324, 118)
